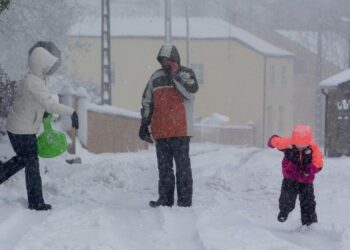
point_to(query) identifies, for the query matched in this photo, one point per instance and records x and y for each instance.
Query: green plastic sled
(51, 143)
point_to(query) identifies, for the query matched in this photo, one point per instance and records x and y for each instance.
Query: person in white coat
(33, 99)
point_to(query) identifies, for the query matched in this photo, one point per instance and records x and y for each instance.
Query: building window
(281, 121)
(283, 75)
(199, 71)
(272, 74)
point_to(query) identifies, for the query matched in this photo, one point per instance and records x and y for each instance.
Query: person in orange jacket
(302, 160)
(167, 117)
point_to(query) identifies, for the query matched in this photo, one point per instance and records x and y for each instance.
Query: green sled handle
(51, 143)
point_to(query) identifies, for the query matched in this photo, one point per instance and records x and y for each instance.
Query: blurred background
(258, 62)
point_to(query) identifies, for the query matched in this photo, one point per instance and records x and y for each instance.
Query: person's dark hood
(169, 51)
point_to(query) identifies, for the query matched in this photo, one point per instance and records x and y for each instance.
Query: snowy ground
(102, 204)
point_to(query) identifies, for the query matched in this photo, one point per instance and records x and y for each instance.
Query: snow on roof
(112, 110)
(337, 79)
(200, 28)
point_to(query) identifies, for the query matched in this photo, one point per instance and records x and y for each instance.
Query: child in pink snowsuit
(302, 160)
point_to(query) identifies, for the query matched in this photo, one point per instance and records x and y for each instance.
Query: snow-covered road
(102, 204)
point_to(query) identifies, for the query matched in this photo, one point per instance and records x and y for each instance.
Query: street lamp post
(347, 21)
(167, 21)
(187, 38)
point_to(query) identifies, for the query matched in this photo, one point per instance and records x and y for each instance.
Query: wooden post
(73, 132)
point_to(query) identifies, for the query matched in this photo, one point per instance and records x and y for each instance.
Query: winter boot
(309, 223)
(158, 203)
(184, 204)
(282, 217)
(311, 220)
(40, 207)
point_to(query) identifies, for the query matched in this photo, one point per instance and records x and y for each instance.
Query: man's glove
(185, 78)
(144, 133)
(75, 120)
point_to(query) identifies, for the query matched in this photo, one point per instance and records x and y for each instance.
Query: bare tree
(27, 21)
(4, 4)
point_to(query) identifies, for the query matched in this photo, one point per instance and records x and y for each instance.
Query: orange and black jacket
(167, 102)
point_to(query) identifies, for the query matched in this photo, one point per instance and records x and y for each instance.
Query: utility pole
(187, 38)
(106, 91)
(348, 22)
(167, 21)
(349, 49)
(347, 26)
(318, 98)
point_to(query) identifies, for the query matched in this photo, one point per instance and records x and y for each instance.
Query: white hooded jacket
(34, 98)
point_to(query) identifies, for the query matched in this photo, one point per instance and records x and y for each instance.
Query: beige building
(240, 75)
(307, 75)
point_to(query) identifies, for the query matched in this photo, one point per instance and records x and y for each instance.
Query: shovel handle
(71, 149)
(73, 130)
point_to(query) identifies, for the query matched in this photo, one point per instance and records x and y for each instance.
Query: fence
(231, 135)
(113, 130)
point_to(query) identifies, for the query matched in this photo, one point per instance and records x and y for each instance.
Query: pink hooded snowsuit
(302, 156)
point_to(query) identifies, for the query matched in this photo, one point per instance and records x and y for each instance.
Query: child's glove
(270, 141)
(311, 169)
(314, 169)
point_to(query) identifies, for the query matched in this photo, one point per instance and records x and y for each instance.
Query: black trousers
(289, 192)
(25, 147)
(169, 149)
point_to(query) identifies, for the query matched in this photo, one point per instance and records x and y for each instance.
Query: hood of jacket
(169, 51)
(301, 135)
(40, 62)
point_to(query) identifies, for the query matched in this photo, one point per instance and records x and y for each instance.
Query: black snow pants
(25, 147)
(169, 149)
(289, 192)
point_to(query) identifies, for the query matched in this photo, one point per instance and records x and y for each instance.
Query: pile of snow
(215, 119)
(103, 204)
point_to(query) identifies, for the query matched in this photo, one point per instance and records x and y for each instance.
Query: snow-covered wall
(111, 129)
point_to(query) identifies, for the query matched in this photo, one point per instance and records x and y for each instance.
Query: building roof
(337, 79)
(200, 28)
